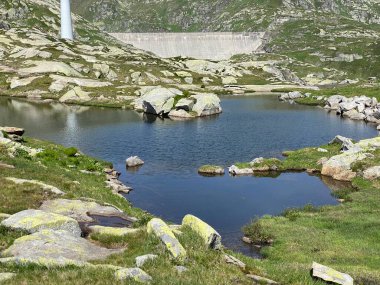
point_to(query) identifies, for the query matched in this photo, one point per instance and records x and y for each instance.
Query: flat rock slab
(50, 247)
(35, 220)
(112, 231)
(78, 209)
(233, 260)
(6, 276)
(261, 280)
(135, 274)
(159, 228)
(211, 237)
(330, 275)
(44, 186)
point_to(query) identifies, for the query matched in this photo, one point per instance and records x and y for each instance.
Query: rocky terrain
(324, 41)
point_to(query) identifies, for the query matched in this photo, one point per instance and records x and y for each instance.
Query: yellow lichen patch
(162, 231)
(118, 232)
(208, 234)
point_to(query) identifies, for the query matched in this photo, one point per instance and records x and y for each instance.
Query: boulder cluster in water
(355, 108)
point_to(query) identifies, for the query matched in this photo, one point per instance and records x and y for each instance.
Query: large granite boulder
(36, 220)
(160, 229)
(53, 247)
(210, 236)
(206, 104)
(157, 101)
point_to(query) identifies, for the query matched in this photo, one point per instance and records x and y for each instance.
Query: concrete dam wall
(214, 46)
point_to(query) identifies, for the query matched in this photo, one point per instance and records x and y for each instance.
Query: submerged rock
(36, 220)
(159, 228)
(210, 236)
(330, 275)
(49, 247)
(134, 161)
(135, 274)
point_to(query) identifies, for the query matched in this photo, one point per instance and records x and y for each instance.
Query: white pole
(66, 23)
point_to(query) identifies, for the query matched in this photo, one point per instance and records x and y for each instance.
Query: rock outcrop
(36, 220)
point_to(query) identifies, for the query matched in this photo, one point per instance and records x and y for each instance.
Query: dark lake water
(168, 184)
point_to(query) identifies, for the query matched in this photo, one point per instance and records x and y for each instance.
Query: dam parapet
(212, 46)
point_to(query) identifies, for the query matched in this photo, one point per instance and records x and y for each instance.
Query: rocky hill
(316, 37)
(215, 15)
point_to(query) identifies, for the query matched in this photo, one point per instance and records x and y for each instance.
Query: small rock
(133, 273)
(372, 173)
(257, 161)
(134, 161)
(12, 131)
(180, 269)
(261, 280)
(247, 240)
(233, 260)
(141, 260)
(234, 170)
(330, 275)
(322, 150)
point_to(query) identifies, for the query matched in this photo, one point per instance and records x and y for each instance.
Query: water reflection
(168, 185)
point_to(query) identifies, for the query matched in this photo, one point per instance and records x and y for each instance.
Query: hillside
(215, 15)
(317, 40)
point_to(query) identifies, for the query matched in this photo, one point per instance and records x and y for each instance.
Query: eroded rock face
(56, 246)
(159, 228)
(78, 209)
(211, 237)
(36, 220)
